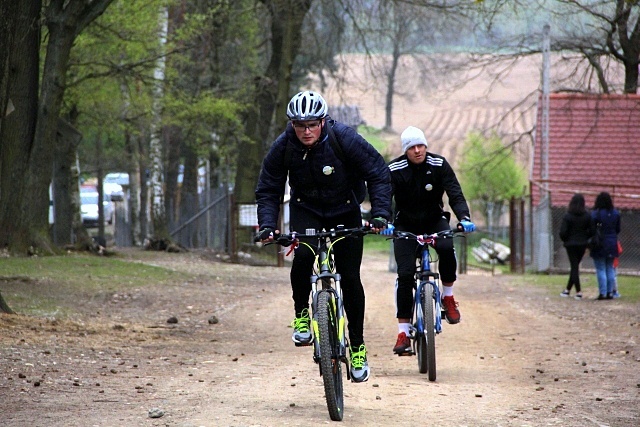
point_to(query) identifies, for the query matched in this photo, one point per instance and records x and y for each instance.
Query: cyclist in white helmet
(330, 169)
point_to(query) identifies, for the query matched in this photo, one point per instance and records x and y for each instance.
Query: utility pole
(544, 149)
(545, 246)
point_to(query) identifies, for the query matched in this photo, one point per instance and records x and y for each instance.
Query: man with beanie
(419, 180)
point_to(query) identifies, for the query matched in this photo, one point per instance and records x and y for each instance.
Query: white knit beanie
(411, 137)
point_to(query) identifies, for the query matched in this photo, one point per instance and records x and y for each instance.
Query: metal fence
(629, 238)
(201, 221)
(212, 220)
(549, 252)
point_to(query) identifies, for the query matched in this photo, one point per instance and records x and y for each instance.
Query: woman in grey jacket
(575, 230)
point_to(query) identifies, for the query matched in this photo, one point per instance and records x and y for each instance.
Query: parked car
(89, 207)
(114, 192)
(121, 178)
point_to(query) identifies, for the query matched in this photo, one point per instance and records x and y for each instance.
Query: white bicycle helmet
(307, 105)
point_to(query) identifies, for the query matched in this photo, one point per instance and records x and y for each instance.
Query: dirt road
(520, 357)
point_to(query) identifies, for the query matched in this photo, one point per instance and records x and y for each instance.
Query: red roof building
(593, 146)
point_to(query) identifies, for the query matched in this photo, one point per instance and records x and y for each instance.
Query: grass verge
(52, 285)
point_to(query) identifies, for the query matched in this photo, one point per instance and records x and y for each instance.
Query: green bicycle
(330, 344)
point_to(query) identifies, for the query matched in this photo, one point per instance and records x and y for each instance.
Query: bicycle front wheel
(330, 354)
(427, 340)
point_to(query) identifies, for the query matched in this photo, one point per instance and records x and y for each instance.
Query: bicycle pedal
(406, 353)
(298, 344)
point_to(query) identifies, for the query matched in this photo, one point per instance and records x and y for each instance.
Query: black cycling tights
(347, 255)
(405, 253)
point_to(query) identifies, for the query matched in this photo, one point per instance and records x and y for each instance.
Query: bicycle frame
(426, 319)
(425, 278)
(330, 343)
(326, 279)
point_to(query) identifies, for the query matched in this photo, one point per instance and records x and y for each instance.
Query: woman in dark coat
(574, 232)
(605, 214)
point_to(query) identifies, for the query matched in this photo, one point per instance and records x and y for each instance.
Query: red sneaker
(450, 307)
(403, 345)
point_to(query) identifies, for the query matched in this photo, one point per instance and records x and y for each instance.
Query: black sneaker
(301, 330)
(564, 293)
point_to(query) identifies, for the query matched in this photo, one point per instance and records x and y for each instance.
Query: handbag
(616, 260)
(595, 242)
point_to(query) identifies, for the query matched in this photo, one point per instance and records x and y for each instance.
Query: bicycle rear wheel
(329, 355)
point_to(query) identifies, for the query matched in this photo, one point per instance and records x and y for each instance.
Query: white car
(121, 178)
(89, 208)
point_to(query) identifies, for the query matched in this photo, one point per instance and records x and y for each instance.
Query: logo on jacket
(328, 170)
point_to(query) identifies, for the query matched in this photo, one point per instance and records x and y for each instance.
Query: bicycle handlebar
(426, 239)
(288, 239)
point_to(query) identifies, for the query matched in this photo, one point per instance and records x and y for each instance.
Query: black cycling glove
(265, 233)
(378, 222)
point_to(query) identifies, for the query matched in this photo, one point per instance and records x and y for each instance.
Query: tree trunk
(137, 188)
(143, 179)
(132, 149)
(629, 38)
(158, 214)
(391, 81)
(35, 205)
(4, 307)
(189, 188)
(80, 232)
(8, 23)
(17, 131)
(68, 139)
(65, 19)
(631, 77)
(173, 142)
(100, 175)
(272, 93)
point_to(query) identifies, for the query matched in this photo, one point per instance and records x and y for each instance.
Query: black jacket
(575, 229)
(418, 191)
(320, 182)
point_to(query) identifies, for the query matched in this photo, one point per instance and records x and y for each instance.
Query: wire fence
(527, 239)
(550, 254)
(200, 221)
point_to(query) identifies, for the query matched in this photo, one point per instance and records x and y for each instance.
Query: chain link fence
(530, 231)
(202, 221)
(548, 216)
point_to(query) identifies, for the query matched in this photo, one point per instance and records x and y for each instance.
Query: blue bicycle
(427, 310)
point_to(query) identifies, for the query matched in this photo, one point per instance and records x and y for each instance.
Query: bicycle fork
(322, 283)
(428, 287)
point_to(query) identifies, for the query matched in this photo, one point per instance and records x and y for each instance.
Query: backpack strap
(335, 145)
(288, 152)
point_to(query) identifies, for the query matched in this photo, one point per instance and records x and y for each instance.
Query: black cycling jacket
(418, 192)
(320, 182)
